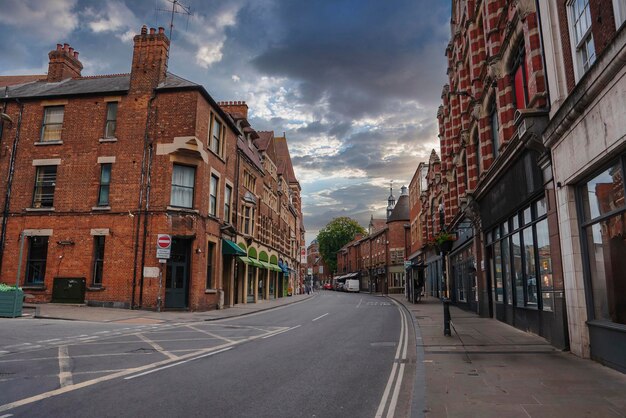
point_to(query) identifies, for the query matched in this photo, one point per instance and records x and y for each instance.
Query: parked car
(352, 285)
(339, 286)
(328, 286)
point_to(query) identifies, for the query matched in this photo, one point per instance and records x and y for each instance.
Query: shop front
(526, 292)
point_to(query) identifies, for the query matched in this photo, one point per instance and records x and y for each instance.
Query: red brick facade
(162, 124)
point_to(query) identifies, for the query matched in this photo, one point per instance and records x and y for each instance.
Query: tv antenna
(177, 8)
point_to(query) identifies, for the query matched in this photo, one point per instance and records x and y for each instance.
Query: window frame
(215, 122)
(40, 185)
(97, 267)
(619, 10)
(519, 68)
(210, 260)
(192, 188)
(213, 194)
(45, 125)
(28, 279)
(494, 127)
(104, 185)
(586, 38)
(228, 196)
(108, 121)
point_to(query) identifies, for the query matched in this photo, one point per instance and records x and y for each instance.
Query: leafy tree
(335, 235)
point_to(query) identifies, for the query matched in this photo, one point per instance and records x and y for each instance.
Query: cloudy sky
(354, 84)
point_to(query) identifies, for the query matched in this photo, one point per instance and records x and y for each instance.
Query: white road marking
(102, 332)
(3, 352)
(280, 332)
(320, 317)
(179, 363)
(157, 347)
(65, 375)
(16, 345)
(6, 416)
(210, 334)
(393, 379)
(49, 341)
(360, 301)
(87, 383)
(80, 356)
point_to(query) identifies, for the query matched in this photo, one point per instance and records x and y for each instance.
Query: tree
(335, 235)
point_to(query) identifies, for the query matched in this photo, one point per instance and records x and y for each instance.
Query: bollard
(446, 317)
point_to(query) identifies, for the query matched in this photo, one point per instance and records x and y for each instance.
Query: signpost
(163, 251)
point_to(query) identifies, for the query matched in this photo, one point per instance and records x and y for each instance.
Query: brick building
(496, 182)
(98, 166)
(416, 273)
(377, 259)
(319, 271)
(585, 51)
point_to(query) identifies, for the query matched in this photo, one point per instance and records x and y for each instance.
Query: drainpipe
(140, 203)
(145, 222)
(7, 196)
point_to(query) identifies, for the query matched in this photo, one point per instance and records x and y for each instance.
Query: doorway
(177, 274)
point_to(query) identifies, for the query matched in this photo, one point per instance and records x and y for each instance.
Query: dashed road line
(320, 317)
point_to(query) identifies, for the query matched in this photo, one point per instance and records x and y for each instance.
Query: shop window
(506, 270)
(545, 265)
(529, 267)
(98, 259)
(52, 123)
(604, 233)
(518, 274)
(619, 9)
(36, 260)
(497, 273)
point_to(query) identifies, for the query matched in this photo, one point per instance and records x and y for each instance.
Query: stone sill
(211, 291)
(39, 209)
(186, 210)
(107, 140)
(34, 287)
(101, 208)
(40, 143)
(96, 288)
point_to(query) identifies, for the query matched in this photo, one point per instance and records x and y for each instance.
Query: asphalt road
(334, 355)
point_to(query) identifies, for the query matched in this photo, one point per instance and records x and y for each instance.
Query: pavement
(490, 369)
(486, 368)
(83, 312)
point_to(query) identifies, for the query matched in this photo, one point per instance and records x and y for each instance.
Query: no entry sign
(164, 245)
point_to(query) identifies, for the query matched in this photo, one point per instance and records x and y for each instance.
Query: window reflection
(604, 193)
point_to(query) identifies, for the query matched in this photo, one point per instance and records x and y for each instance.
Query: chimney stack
(150, 55)
(239, 107)
(63, 63)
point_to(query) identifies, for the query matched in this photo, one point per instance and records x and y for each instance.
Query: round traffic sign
(164, 241)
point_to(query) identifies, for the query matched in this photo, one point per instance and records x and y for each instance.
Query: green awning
(230, 248)
(270, 266)
(251, 261)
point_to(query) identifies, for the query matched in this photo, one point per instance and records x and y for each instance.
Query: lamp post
(446, 299)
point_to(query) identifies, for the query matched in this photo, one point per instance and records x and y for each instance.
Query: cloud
(40, 19)
(115, 17)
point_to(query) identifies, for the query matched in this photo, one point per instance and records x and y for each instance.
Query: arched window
(495, 128)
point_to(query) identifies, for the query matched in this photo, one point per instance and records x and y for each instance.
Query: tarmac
(486, 368)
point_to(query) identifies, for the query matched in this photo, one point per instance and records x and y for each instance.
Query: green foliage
(443, 237)
(6, 288)
(335, 235)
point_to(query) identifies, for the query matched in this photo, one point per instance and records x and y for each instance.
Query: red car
(328, 286)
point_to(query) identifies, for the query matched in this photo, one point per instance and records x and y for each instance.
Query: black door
(177, 275)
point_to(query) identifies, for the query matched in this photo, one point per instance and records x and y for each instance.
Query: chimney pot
(76, 54)
(71, 51)
(59, 47)
(144, 30)
(161, 30)
(65, 47)
(152, 31)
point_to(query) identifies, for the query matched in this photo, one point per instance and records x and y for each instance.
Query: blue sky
(354, 84)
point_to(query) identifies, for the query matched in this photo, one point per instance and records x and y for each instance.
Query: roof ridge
(102, 76)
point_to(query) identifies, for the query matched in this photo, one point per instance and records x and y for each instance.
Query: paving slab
(487, 368)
